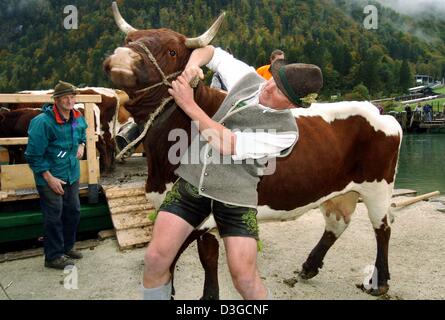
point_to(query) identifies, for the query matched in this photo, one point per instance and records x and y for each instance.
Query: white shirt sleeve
(257, 145)
(230, 69)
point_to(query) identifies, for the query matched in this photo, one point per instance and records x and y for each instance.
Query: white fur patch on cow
(157, 198)
(376, 196)
(102, 91)
(50, 91)
(96, 111)
(345, 109)
(335, 226)
(119, 125)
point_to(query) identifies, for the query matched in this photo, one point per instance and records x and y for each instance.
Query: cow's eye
(172, 53)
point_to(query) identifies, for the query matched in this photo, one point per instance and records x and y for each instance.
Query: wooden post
(93, 191)
(414, 200)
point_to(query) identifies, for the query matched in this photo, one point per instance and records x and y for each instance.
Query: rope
(153, 115)
(116, 115)
(147, 126)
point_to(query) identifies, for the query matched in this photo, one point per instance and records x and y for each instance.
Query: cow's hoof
(376, 292)
(307, 274)
(209, 298)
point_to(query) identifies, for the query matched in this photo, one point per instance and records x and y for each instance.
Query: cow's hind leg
(337, 213)
(378, 204)
(208, 249)
(195, 235)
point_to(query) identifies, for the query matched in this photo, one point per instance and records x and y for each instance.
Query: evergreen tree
(406, 77)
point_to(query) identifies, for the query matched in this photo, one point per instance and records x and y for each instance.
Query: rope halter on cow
(191, 43)
(153, 115)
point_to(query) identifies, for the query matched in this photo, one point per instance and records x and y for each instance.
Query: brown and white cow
(15, 123)
(345, 151)
(106, 125)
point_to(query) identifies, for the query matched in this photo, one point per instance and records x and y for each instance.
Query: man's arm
(230, 69)
(198, 58)
(221, 138)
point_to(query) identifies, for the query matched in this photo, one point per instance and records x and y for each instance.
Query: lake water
(422, 163)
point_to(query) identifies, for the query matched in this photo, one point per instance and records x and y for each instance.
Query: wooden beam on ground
(404, 203)
(124, 201)
(44, 98)
(17, 255)
(123, 192)
(105, 234)
(131, 208)
(128, 238)
(131, 220)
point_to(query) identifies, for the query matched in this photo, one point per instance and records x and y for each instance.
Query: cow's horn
(206, 37)
(121, 23)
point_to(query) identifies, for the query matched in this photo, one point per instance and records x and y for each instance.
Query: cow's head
(131, 67)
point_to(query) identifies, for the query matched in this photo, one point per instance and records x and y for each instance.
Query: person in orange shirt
(264, 71)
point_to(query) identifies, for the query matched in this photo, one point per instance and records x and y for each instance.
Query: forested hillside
(36, 50)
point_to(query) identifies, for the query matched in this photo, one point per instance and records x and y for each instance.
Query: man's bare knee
(243, 281)
(155, 260)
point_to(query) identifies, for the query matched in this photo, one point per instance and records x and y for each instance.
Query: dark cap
(64, 88)
(297, 80)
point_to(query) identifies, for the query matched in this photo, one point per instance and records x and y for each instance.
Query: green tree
(406, 77)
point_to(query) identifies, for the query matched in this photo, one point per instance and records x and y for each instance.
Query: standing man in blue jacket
(56, 143)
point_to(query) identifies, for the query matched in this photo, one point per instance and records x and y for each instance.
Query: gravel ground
(416, 263)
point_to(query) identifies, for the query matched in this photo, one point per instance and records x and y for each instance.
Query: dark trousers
(61, 215)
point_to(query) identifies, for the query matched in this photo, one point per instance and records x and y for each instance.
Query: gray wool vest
(220, 177)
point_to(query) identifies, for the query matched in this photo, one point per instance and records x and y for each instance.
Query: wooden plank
(123, 192)
(17, 255)
(20, 176)
(105, 234)
(13, 141)
(130, 220)
(93, 166)
(43, 98)
(404, 203)
(130, 237)
(131, 208)
(125, 201)
(4, 155)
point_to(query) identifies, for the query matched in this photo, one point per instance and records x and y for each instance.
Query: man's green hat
(300, 82)
(64, 88)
